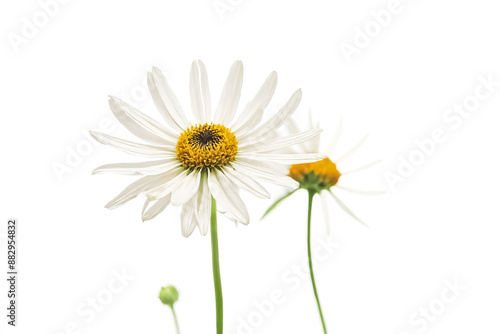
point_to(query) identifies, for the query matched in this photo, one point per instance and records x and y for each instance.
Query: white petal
(145, 206)
(289, 159)
(335, 138)
(204, 205)
(200, 92)
(313, 144)
(226, 109)
(263, 174)
(326, 212)
(165, 100)
(254, 110)
(359, 169)
(291, 126)
(188, 218)
(268, 167)
(246, 183)
(250, 124)
(346, 209)
(142, 150)
(361, 192)
(169, 186)
(352, 150)
(222, 190)
(282, 142)
(157, 208)
(138, 168)
(186, 190)
(274, 122)
(135, 189)
(228, 215)
(141, 125)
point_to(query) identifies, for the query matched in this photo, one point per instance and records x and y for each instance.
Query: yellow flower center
(324, 172)
(207, 145)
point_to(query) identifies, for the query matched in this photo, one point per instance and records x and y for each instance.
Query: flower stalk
(216, 268)
(178, 331)
(309, 214)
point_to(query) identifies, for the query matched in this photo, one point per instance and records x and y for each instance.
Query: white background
(440, 224)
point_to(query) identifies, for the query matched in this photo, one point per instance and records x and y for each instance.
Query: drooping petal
(146, 204)
(188, 218)
(246, 183)
(230, 97)
(141, 125)
(222, 190)
(252, 114)
(200, 92)
(346, 209)
(282, 142)
(142, 150)
(187, 189)
(135, 189)
(326, 212)
(165, 100)
(156, 208)
(204, 205)
(169, 186)
(138, 168)
(228, 215)
(274, 122)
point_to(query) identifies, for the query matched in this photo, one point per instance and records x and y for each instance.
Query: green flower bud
(169, 295)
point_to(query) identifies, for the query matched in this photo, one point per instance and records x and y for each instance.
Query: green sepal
(275, 204)
(312, 182)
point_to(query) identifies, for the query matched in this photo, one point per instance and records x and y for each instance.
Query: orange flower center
(323, 174)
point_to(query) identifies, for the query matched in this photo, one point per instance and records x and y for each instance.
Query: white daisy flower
(323, 177)
(214, 155)
(320, 177)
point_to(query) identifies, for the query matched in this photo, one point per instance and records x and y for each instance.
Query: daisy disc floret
(207, 145)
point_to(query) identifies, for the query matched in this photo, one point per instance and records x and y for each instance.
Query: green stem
(309, 214)
(216, 268)
(175, 320)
